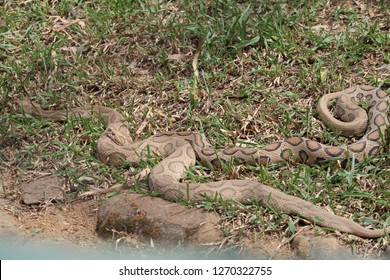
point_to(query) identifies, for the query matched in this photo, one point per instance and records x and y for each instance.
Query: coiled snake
(180, 150)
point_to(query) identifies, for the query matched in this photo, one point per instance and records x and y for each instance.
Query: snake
(181, 150)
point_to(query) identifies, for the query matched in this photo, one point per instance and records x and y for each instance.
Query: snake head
(112, 145)
(118, 133)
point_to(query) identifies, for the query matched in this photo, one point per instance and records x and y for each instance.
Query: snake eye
(114, 137)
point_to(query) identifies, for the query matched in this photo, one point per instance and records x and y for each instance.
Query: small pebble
(86, 180)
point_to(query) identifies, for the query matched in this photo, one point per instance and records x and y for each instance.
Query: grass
(262, 67)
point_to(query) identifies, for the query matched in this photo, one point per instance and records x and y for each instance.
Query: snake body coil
(180, 150)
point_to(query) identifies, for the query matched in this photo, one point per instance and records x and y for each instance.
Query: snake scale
(180, 150)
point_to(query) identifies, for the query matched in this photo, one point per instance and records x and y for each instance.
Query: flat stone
(320, 248)
(386, 253)
(86, 180)
(265, 247)
(40, 190)
(163, 221)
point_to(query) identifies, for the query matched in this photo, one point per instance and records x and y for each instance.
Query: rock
(265, 247)
(386, 253)
(320, 248)
(86, 180)
(163, 221)
(40, 190)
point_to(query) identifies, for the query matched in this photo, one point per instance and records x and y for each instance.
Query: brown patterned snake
(180, 150)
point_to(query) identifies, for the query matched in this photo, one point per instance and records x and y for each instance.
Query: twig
(120, 187)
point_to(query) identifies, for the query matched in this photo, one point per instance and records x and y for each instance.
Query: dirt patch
(73, 222)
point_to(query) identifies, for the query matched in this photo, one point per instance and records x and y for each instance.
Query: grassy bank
(262, 67)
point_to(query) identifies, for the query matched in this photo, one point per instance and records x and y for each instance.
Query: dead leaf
(66, 23)
(74, 50)
(176, 57)
(319, 27)
(196, 71)
(143, 124)
(69, 49)
(361, 5)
